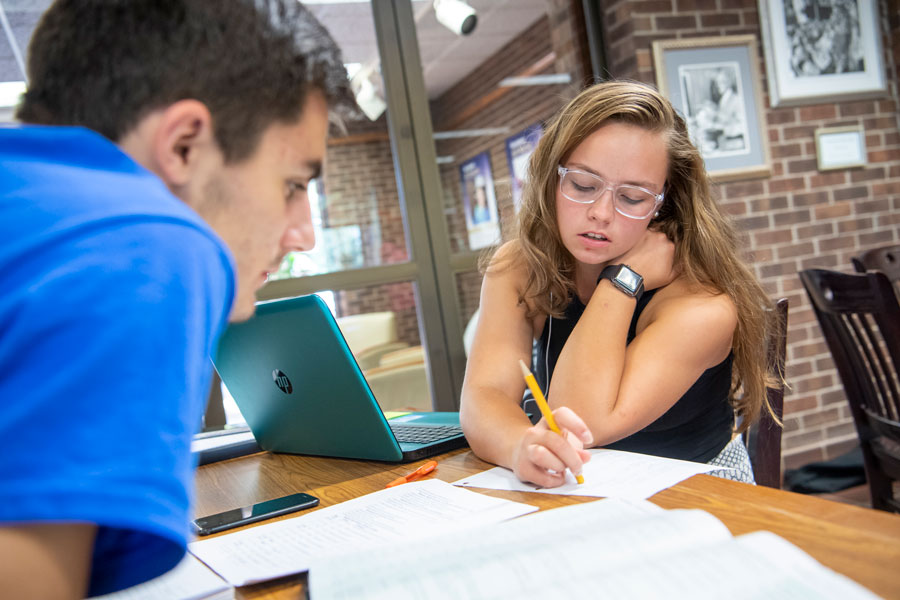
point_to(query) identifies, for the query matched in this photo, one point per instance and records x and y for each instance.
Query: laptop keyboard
(419, 434)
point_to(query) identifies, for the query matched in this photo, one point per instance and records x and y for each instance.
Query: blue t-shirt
(113, 293)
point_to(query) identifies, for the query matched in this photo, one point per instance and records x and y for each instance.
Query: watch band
(625, 279)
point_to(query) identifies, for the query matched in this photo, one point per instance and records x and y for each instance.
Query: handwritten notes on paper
(405, 512)
(609, 474)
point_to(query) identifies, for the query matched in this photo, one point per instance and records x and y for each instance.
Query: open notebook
(301, 391)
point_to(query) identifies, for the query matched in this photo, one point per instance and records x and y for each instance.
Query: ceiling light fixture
(456, 15)
(368, 97)
(549, 79)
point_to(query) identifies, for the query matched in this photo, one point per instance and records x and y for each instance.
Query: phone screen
(256, 512)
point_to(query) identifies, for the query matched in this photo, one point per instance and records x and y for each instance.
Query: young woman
(650, 331)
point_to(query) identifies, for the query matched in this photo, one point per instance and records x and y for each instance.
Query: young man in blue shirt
(164, 176)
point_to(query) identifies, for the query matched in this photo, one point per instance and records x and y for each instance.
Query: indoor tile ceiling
(446, 57)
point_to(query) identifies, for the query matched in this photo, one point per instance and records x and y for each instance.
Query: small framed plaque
(840, 147)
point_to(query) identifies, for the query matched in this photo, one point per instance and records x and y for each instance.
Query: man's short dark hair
(106, 64)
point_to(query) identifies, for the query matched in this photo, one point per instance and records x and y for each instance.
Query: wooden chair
(860, 318)
(763, 439)
(886, 260)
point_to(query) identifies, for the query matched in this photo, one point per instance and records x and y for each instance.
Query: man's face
(259, 205)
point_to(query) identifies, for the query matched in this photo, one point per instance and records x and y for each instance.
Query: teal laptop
(301, 391)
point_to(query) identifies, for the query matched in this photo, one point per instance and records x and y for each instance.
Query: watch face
(628, 279)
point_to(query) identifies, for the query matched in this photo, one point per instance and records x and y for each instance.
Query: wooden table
(862, 544)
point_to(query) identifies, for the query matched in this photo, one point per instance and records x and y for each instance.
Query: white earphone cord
(547, 351)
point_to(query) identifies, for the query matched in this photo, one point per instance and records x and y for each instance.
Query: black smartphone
(256, 512)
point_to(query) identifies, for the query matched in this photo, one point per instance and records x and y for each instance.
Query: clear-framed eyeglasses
(629, 201)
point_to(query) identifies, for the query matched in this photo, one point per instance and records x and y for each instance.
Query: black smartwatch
(624, 278)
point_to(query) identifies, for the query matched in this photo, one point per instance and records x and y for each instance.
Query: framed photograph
(822, 50)
(518, 152)
(840, 147)
(479, 201)
(714, 84)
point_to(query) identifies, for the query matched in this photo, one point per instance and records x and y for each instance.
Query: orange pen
(422, 471)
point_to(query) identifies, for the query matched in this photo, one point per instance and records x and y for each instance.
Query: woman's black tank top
(697, 427)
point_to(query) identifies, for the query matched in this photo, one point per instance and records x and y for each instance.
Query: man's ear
(183, 142)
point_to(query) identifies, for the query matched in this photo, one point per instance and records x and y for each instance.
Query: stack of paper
(189, 580)
(601, 549)
(401, 513)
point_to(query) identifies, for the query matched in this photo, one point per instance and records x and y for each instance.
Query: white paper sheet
(189, 580)
(609, 474)
(507, 560)
(603, 549)
(405, 512)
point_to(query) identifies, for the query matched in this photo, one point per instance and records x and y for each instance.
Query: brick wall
(797, 218)
(553, 44)
(359, 181)
(517, 109)
(359, 189)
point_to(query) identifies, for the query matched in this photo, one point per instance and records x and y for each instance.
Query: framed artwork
(840, 147)
(518, 152)
(479, 201)
(714, 84)
(822, 50)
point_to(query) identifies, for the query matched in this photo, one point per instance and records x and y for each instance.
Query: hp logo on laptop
(282, 381)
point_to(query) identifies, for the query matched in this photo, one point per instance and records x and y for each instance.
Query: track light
(456, 15)
(368, 97)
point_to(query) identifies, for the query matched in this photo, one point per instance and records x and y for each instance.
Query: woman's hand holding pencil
(552, 446)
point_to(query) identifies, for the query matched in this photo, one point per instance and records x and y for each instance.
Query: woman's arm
(495, 426)
(618, 389)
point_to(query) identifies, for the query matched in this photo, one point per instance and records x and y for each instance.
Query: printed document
(609, 474)
(189, 580)
(602, 549)
(401, 513)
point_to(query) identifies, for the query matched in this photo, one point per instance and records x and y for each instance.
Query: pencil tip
(525, 370)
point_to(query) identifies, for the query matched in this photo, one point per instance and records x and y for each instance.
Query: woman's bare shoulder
(508, 264)
(509, 252)
(690, 301)
(505, 282)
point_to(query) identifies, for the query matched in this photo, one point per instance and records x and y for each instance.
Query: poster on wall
(518, 151)
(479, 201)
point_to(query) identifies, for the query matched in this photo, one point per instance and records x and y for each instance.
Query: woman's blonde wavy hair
(705, 239)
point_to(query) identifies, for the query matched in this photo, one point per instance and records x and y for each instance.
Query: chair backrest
(860, 319)
(371, 356)
(763, 439)
(403, 356)
(367, 330)
(401, 388)
(885, 259)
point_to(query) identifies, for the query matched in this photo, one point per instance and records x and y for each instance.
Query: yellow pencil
(542, 404)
